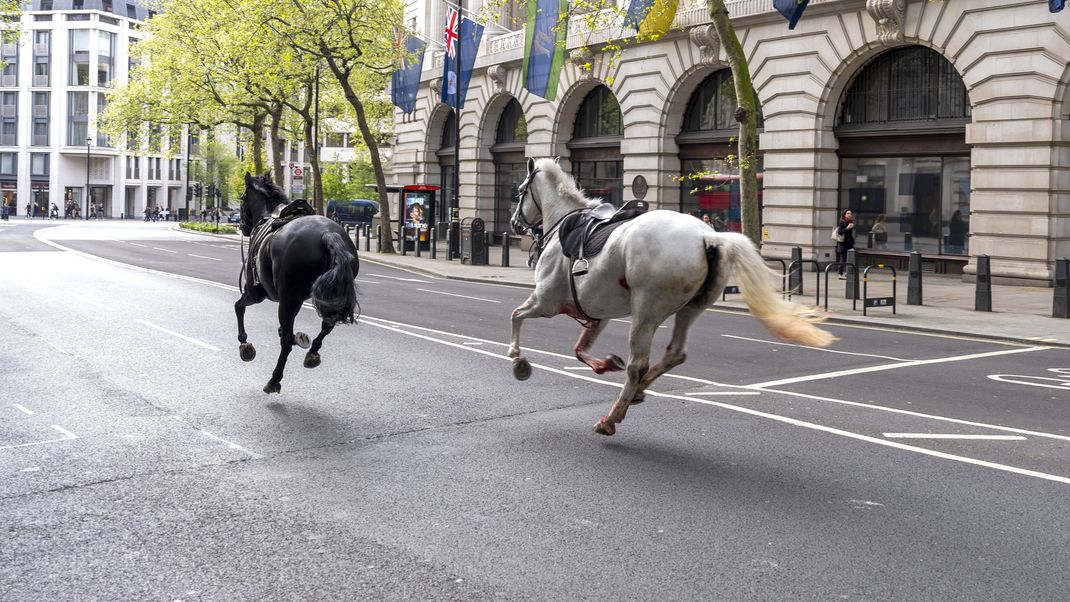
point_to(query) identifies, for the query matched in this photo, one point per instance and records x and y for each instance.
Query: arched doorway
(904, 159)
(709, 177)
(597, 163)
(447, 166)
(510, 139)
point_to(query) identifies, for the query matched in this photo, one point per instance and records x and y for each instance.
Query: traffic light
(211, 191)
(189, 194)
(197, 189)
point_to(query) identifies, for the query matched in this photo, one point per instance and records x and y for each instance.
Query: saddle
(584, 234)
(282, 215)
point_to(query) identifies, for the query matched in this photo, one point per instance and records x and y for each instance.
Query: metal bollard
(1060, 307)
(378, 239)
(852, 275)
(505, 249)
(416, 242)
(367, 238)
(914, 280)
(401, 236)
(908, 241)
(434, 242)
(795, 277)
(449, 243)
(983, 294)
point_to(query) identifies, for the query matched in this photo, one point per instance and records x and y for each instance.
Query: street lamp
(88, 141)
(189, 144)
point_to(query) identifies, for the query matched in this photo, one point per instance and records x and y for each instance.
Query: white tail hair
(786, 320)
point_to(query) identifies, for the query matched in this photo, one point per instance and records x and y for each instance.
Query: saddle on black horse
(583, 234)
(282, 215)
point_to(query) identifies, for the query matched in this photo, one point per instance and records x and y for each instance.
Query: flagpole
(455, 216)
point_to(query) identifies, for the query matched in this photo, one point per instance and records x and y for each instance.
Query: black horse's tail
(333, 293)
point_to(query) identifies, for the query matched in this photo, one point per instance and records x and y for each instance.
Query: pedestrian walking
(844, 236)
(4, 211)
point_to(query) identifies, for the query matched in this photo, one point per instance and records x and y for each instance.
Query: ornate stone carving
(498, 74)
(436, 86)
(705, 36)
(583, 58)
(890, 16)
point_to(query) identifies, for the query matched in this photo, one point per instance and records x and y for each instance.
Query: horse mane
(566, 184)
(274, 194)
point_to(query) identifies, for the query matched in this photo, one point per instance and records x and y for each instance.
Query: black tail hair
(333, 293)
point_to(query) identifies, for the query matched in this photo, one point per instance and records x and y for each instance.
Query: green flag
(545, 36)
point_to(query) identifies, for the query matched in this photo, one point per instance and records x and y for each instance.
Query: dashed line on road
(203, 257)
(401, 279)
(23, 409)
(427, 290)
(137, 244)
(67, 436)
(165, 250)
(783, 344)
(177, 335)
(954, 436)
(368, 281)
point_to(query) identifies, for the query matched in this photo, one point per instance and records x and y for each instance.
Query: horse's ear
(267, 176)
(531, 166)
(248, 178)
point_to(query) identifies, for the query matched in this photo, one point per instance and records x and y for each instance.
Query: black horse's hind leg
(288, 309)
(312, 358)
(251, 296)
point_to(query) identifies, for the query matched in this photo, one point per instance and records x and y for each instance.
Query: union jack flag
(452, 24)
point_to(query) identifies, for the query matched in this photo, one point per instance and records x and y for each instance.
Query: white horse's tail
(786, 320)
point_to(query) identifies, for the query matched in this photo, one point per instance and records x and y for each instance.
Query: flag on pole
(791, 9)
(651, 17)
(545, 33)
(405, 82)
(1056, 5)
(459, 29)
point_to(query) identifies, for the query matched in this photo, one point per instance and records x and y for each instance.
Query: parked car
(234, 218)
(357, 212)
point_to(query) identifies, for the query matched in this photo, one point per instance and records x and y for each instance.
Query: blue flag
(405, 82)
(1056, 5)
(791, 9)
(468, 34)
(545, 32)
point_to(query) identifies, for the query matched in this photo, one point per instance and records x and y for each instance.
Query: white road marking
(67, 436)
(1052, 383)
(472, 343)
(368, 281)
(426, 290)
(203, 257)
(954, 436)
(137, 244)
(231, 444)
(401, 279)
(704, 393)
(854, 371)
(64, 431)
(165, 250)
(622, 320)
(23, 409)
(177, 335)
(783, 344)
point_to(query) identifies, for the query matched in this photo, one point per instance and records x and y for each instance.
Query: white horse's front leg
(521, 367)
(640, 339)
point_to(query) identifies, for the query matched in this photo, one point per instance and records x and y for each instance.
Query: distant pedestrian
(4, 212)
(846, 239)
(29, 210)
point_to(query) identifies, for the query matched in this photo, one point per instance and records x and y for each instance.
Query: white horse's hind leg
(521, 367)
(640, 338)
(675, 353)
(583, 346)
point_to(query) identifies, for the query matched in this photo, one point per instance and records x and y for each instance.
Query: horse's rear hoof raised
(604, 428)
(272, 387)
(312, 360)
(302, 340)
(247, 352)
(521, 369)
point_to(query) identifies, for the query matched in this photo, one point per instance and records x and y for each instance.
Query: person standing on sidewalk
(845, 228)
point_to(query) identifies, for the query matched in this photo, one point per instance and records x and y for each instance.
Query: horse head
(547, 194)
(528, 214)
(260, 198)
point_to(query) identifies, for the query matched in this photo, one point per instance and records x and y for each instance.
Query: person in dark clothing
(845, 228)
(956, 239)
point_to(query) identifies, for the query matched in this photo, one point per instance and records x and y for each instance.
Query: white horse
(659, 264)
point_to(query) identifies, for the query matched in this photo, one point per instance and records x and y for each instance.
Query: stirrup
(579, 270)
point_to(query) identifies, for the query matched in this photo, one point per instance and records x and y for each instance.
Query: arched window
(904, 162)
(597, 163)
(447, 163)
(709, 180)
(509, 163)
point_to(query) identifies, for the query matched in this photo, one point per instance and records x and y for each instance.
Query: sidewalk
(1019, 314)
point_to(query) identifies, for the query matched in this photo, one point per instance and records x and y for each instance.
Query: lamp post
(88, 141)
(189, 143)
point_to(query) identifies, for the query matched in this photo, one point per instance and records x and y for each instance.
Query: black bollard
(449, 243)
(795, 275)
(914, 280)
(401, 236)
(983, 296)
(434, 242)
(505, 249)
(378, 239)
(367, 237)
(1060, 307)
(908, 241)
(852, 275)
(416, 242)
(869, 240)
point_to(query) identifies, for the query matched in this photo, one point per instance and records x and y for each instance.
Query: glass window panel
(601, 179)
(599, 115)
(711, 187)
(507, 180)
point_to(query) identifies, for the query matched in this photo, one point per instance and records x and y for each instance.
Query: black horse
(293, 255)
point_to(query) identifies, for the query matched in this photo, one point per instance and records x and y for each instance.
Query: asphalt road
(142, 461)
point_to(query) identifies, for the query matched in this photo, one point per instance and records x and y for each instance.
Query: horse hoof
(302, 340)
(312, 360)
(272, 387)
(614, 363)
(605, 428)
(638, 399)
(247, 352)
(521, 369)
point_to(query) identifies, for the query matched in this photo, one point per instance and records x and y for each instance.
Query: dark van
(357, 212)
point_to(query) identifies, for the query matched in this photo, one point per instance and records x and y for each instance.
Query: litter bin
(473, 241)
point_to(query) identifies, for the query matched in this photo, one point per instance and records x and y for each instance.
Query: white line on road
(231, 444)
(175, 334)
(622, 320)
(954, 436)
(64, 431)
(854, 371)
(137, 244)
(165, 250)
(67, 436)
(426, 290)
(58, 348)
(203, 257)
(783, 344)
(401, 279)
(23, 409)
(704, 393)
(368, 281)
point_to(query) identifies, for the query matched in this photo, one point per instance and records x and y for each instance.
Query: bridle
(522, 193)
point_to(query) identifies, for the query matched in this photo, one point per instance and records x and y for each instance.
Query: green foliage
(348, 180)
(208, 227)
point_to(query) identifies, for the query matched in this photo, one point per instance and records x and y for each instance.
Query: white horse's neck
(558, 195)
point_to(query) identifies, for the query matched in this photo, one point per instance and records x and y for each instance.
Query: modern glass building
(930, 117)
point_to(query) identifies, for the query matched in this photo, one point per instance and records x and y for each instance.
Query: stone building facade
(946, 120)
